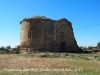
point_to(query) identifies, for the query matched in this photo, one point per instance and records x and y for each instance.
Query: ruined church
(40, 33)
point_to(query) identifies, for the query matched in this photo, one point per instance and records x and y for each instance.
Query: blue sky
(82, 14)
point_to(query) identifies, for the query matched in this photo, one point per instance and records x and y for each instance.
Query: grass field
(47, 63)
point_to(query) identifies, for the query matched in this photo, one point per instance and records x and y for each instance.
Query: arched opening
(62, 42)
(30, 33)
(62, 47)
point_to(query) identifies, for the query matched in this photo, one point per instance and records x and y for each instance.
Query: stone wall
(44, 34)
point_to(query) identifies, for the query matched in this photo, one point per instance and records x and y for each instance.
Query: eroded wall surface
(47, 35)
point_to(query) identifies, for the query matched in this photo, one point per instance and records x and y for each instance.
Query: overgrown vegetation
(75, 56)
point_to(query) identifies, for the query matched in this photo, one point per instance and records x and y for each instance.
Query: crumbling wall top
(35, 17)
(44, 18)
(39, 17)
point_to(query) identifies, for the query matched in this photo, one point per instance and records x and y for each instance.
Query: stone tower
(40, 33)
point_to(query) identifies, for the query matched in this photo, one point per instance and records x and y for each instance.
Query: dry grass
(78, 66)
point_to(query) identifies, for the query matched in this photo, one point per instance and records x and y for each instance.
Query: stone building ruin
(40, 33)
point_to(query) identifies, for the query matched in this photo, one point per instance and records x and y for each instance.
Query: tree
(2, 48)
(8, 47)
(18, 49)
(98, 45)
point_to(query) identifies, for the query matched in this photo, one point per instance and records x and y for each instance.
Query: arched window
(30, 33)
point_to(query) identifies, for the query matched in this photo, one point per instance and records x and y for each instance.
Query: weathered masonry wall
(39, 34)
(64, 33)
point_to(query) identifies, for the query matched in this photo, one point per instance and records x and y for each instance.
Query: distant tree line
(98, 45)
(9, 49)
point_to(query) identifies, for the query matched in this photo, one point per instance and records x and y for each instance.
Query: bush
(18, 51)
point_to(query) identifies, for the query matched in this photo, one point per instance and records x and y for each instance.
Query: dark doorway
(62, 47)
